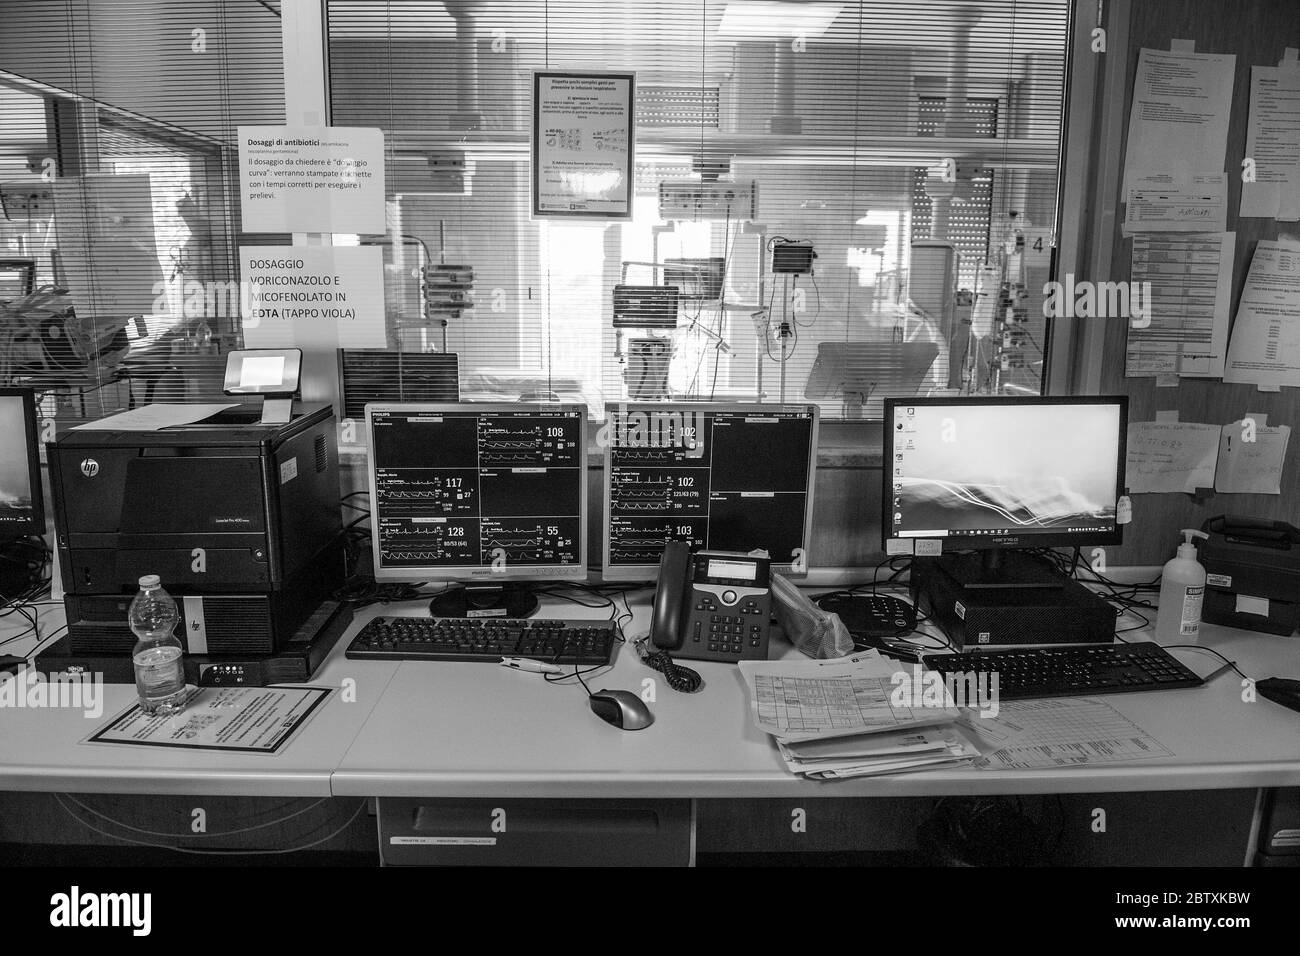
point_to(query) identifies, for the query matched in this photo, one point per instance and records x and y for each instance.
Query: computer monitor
(21, 513)
(997, 475)
(723, 477)
(17, 278)
(486, 495)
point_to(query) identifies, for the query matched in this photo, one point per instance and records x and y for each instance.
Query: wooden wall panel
(1257, 31)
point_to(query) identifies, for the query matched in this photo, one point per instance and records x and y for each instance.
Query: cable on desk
(681, 679)
(1208, 650)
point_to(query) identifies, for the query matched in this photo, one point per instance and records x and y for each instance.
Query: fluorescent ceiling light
(776, 18)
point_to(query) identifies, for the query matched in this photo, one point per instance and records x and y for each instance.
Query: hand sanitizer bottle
(1182, 591)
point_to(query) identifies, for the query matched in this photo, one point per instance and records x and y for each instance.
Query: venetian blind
(913, 143)
(120, 183)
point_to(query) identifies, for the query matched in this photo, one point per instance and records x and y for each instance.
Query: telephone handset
(712, 605)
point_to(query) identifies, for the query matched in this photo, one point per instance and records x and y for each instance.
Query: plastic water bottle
(159, 669)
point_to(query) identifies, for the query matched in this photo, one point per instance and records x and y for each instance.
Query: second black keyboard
(1072, 671)
(584, 643)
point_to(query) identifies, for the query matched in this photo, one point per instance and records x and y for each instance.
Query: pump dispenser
(1182, 591)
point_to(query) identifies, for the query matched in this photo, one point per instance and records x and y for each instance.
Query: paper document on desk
(894, 751)
(810, 700)
(1066, 732)
(152, 418)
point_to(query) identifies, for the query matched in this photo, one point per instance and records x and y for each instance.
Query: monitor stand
(484, 601)
(1000, 569)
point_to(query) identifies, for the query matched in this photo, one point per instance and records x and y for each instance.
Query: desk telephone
(712, 605)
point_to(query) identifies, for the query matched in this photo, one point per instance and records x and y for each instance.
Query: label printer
(1252, 571)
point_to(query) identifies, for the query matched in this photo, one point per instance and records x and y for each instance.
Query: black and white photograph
(459, 438)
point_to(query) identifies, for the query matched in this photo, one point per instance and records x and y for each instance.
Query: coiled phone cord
(679, 678)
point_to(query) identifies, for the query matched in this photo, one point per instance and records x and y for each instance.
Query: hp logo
(90, 468)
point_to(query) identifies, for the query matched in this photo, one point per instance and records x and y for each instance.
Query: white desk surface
(467, 730)
(43, 749)
(425, 729)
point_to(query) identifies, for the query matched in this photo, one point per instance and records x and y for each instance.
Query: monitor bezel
(644, 572)
(36, 525)
(476, 574)
(988, 543)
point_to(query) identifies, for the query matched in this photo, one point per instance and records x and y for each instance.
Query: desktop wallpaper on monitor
(15, 474)
(1004, 468)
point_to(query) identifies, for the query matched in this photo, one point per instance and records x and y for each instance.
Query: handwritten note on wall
(1252, 467)
(1171, 456)
(1187, 456)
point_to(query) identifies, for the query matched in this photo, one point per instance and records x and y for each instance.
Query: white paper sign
(1265, 344)
(583, 145)
(1179, 119)
(311, 179)
(313, 296)
(1273, 145)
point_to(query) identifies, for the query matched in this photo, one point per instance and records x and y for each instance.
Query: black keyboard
(585, 643)
(1072, 671)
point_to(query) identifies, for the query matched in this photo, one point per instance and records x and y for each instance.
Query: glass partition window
(913, 145)
(119, 183)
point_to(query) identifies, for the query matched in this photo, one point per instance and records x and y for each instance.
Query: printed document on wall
(1162, 202)
(1186, 282)
(1265, 346)
(1273, 145)
(1179, 120)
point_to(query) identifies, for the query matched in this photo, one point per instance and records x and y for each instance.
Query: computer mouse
(1281, 690)
(622, 708)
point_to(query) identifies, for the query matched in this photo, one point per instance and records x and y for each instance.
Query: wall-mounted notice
(313, 296)
(1179, 120)
(1265, 345)
(1254, 466)
(1171, 456)
(583, 152)
(1273, 144)
(311, 179)
(1189, 278)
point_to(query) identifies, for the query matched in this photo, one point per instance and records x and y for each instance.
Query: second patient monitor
(719, 477)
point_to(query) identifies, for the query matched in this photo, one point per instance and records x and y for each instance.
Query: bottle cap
(150, 581)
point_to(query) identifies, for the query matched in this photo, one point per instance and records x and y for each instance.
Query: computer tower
(990, 617)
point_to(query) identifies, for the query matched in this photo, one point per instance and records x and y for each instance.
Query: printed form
(809, 700)
(1190, 278)
(1065, 732)
(1265, 346)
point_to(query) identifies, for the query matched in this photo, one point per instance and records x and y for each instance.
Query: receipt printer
(1252, 569)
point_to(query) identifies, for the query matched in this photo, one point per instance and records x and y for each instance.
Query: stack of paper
(854, 716)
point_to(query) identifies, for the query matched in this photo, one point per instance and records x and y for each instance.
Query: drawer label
(442, 841)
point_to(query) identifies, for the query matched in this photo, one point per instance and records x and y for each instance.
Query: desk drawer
(534, 832)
